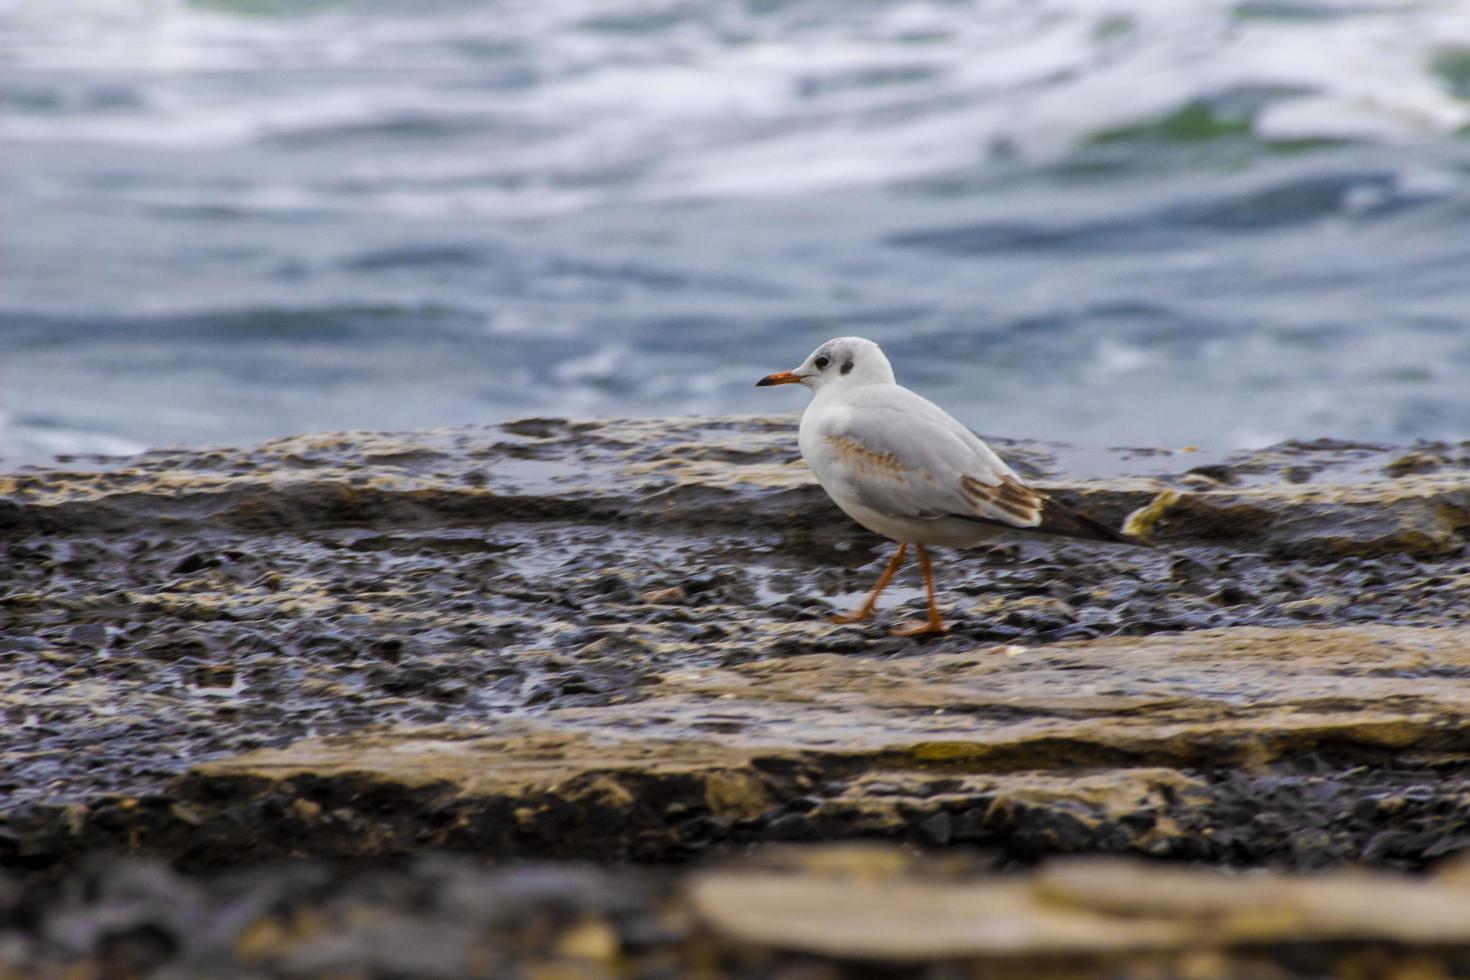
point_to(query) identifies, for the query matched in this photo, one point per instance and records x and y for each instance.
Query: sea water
(1145, 222)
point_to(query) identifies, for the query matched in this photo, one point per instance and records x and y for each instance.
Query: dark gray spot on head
(847, 365)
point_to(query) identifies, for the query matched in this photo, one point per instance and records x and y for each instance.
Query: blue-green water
(1140, 222)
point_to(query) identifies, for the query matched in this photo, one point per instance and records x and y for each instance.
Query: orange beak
(779, 378)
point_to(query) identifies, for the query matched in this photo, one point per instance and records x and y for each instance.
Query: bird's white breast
(824, 416)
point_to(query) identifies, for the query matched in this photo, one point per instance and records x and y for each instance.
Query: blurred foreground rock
(608, 640)
(807, 911)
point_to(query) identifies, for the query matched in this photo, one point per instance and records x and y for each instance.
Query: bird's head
(843, 362)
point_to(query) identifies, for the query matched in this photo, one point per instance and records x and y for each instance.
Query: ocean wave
(1099, 221)
(651, 100)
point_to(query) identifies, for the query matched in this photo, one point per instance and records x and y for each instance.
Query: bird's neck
(846, 387)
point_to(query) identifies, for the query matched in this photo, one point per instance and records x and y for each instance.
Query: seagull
(903, 467)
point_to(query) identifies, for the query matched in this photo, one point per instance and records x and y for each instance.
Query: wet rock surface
(607, 640)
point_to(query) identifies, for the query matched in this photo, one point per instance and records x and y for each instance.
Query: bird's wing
(902, 456)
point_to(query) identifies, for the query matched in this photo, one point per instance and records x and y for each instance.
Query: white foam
(714, 99)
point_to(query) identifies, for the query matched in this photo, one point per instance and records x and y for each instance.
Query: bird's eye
(822, 363)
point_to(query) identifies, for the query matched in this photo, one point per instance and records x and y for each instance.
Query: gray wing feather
(903, 456)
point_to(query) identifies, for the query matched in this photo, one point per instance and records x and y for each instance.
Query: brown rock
(1079, 911)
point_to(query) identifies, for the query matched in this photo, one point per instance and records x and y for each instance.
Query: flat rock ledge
(607, 641)
(1169, 746)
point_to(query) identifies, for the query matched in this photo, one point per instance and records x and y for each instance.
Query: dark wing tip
(1060, 519)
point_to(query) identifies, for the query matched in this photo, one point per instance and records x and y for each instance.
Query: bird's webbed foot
(921, 627)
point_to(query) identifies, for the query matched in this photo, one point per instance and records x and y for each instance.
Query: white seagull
(905, 468)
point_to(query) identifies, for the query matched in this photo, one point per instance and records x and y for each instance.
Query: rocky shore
(604, 645)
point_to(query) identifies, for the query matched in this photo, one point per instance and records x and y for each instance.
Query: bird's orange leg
(933, 624)
(866, 609)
